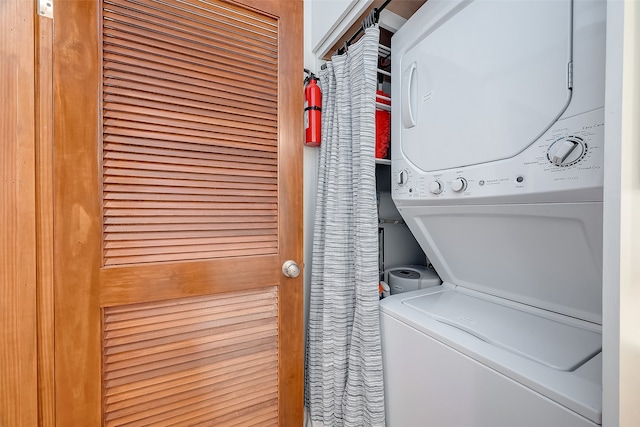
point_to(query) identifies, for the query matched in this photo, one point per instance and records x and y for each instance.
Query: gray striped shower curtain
(343, 376)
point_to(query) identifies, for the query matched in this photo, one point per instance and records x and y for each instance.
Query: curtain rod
(370, 20)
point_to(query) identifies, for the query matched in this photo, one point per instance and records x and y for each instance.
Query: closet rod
(370, 20)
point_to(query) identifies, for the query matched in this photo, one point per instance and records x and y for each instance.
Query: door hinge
(570, 75)
(45, 8)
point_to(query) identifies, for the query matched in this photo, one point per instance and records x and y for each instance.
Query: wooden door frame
(44, 219)
(29, 293)
(18, 312)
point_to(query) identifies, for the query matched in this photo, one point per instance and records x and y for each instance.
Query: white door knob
(290, 269)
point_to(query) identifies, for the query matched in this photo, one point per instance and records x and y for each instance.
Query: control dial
(402, 178)
(459, 184)
(435, 187)
(567, 151)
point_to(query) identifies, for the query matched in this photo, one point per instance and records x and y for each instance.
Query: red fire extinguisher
(312, 110)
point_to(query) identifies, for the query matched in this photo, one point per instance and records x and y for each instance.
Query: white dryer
(497, 157)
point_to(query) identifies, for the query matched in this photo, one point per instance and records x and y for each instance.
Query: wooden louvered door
(177, 192)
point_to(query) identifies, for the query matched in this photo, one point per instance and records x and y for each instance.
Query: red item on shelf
(383, 126)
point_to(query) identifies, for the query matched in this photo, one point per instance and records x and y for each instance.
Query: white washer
(497, 170)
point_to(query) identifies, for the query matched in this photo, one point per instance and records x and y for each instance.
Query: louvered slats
(196, 361)
(189, 131)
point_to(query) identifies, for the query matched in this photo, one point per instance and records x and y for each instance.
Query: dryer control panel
(564, 164)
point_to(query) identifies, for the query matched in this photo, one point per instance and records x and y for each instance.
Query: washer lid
(483, 82)
(556, 345)
(547, 255)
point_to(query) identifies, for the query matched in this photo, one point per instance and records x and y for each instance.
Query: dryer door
(483, 83)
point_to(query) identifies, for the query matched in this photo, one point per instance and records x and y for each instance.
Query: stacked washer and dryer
(497, 158)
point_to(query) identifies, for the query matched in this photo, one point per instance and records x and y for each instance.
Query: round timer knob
(459, 184)
(435, 187)
(567, 151)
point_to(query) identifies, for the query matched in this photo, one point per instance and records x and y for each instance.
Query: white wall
(310, 167)
(621, 293)
(630, 222)
(331, 19)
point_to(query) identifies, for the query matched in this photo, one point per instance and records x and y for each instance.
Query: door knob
(290, 269)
